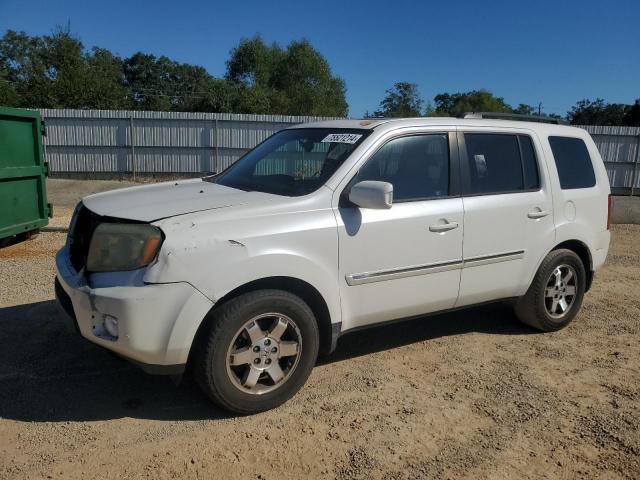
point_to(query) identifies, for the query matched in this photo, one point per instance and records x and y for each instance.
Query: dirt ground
(65, 194)
(471, 394)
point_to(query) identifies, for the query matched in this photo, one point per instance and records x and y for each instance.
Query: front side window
(292, 162)
(572, 162)
(416, 166)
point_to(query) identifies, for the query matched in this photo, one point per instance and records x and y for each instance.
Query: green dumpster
(23, 193)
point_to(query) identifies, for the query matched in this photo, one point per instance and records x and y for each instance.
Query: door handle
(443, 227)
(538, 214)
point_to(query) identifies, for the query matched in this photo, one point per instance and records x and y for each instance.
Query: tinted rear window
(572, 162)
(494, 163)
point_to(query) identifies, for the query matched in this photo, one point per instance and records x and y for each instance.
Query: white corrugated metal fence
(620, 150)
(153, 142)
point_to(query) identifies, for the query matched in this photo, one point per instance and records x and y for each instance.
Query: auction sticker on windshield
(342, 137)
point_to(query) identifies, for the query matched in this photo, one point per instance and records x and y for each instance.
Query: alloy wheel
(560, 292)
(264, 353)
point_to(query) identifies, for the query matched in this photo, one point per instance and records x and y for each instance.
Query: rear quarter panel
(581, 213)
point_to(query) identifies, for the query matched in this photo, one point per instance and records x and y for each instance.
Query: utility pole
(539, 108)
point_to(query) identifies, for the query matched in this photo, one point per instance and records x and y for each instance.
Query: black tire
(532, 309)
(210, 359)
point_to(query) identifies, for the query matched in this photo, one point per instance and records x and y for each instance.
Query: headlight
(116, 247)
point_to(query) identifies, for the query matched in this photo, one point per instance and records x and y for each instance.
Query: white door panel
(503, 244)
(393, 265)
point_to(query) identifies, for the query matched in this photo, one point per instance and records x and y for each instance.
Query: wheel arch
(582, 250)
(304, 290)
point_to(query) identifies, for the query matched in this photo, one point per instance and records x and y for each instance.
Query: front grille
(83, 226)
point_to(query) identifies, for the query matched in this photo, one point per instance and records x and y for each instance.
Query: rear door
(508, 219)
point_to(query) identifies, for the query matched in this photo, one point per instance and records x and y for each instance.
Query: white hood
(161, 200)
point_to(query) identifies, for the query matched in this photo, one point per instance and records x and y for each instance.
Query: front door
(406, 260)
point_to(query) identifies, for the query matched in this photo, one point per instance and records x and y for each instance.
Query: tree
(22, 67)
(70, 81)
(632, 115)
(403, 100)
(105, 79)
(253, 63)
(524, 109)
(55, 72)
(305, 85)
(293, 81)
(586, 112)
(147, 80)
(8, 93)
(455, 104)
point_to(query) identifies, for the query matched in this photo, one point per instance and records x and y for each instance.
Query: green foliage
(295, 81)
(597, 112)
(632, 115)
(55, 72)
(159, 83)
(106, 88)
(524, 109)
(22, 69)
(454, 104)
(58, 72)
(403, 100)
(253, 62)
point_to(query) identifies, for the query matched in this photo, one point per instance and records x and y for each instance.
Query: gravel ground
(65, 194)
(466, 395)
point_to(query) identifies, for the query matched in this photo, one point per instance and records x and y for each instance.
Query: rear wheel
(555, 295)
(258, 352)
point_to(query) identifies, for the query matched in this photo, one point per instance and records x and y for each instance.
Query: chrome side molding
(414, 270)
(402, 272)
(497, 258)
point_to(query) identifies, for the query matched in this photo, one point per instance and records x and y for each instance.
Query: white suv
(328, 227)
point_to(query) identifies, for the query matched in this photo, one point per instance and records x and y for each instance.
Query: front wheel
(555, 295)
(258, 351)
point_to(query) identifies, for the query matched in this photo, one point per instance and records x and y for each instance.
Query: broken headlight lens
(117, 247)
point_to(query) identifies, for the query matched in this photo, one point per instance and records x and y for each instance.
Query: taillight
(609, 213)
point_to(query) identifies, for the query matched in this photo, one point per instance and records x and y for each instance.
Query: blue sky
(554, 52)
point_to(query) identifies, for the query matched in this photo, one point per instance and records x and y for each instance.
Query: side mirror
(372, 194)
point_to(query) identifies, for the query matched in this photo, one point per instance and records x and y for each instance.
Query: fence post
(216, 140)
(133, 148)
(634, 176)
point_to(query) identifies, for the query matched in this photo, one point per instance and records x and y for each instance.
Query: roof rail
(514, 116)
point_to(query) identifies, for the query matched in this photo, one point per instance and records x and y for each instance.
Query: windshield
(292, 162)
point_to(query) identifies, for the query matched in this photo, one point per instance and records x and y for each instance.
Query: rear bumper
(599, 255)
(155, 322)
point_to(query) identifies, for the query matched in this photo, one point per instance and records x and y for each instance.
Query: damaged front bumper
(153, 325)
